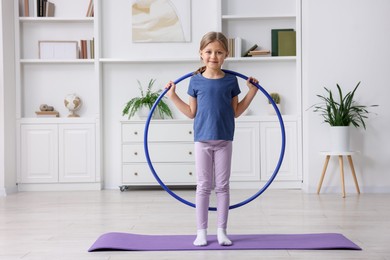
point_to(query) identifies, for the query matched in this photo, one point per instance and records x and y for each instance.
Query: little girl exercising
(213, 104)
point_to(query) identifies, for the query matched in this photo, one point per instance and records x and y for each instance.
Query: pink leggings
(213, 166)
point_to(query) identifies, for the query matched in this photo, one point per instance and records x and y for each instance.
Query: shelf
(256, 17)
(257, 59)
(161, 60)
(57, 120)
(55, 20)
(40, 61)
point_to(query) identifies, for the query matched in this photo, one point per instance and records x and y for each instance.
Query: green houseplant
(146, 100)
(343, 111)
(276, 98)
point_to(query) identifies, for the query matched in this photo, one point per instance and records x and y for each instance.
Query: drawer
(158, 132)
(159, 152)
(168, 173)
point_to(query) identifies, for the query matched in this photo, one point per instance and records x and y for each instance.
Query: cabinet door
(271, 141)
(246, 153)
(77, 153)
(39, 157)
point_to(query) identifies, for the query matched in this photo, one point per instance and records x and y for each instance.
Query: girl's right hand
(172, 88)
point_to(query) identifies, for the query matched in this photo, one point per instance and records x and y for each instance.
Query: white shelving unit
(252, 21)
(118, 64)
(41, 81)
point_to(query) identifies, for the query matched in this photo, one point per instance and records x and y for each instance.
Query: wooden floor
(63, 225)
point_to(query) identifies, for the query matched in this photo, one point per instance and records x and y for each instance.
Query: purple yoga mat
(134, 242)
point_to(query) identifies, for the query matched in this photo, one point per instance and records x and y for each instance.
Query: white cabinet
(256, 150)
(171, 149)
(271, 142)
(246, 152)
(39, 154)
(57, 153)
(77, 153)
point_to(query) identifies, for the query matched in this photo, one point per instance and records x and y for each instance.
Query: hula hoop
(266, 185)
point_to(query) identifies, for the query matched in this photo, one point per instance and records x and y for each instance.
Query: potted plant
(276, 98)
(340, 113)
(143, 104)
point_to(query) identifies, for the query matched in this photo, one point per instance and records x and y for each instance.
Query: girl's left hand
(251, 81)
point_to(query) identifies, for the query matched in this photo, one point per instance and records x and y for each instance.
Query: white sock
(201, 238)
(223, 240)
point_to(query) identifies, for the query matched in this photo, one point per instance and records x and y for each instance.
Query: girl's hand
(172, 88)
(250, 83)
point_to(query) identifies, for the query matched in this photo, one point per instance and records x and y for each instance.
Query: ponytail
(200, 70)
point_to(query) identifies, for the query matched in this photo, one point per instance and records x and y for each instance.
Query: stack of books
(87, 49)
(235, 47)
(47, 113)
(259, 53)
(38, 8)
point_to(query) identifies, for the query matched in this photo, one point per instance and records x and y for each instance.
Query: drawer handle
(190, 153)
(136, 133)
(136, 173)
(190, 132)
(190, 173)
(135, 153)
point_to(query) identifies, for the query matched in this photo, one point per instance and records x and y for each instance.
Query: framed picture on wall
(161, 21)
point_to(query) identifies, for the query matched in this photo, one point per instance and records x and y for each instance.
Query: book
(49, 9)
(237, 47)
(90, 11)
(230, 47)
(287, 43)
(275, 41)
(47, 113)
(259, 53)
(246, 54)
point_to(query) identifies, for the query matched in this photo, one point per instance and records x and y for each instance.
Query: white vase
(339, 136)
(271, 109)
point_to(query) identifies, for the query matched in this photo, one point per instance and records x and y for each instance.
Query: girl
(213, 103)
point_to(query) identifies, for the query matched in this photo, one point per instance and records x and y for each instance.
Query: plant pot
(271, 109)
(339, 136)
(143, 113)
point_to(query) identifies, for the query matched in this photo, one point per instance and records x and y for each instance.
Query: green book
(275, 42)
(287, 43)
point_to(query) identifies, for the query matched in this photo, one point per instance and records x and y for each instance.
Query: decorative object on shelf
(73, 103)
(276, 98)
(340, 114)
(46, 111)
(142, 104)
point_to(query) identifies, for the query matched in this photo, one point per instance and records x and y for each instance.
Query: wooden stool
(341, 163)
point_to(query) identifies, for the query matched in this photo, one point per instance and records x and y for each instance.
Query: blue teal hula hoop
(266, 185)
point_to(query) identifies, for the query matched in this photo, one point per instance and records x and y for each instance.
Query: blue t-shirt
(214, 119)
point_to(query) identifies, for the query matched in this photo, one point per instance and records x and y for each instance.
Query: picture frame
(151, 26)
(58, 50)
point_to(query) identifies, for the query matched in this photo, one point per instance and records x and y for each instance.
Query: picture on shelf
(58, 50)
(161, 21)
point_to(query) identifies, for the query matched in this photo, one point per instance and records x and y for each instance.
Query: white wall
(7, 101)
(346, 42)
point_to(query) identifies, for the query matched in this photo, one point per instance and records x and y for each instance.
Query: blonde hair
(209, 38)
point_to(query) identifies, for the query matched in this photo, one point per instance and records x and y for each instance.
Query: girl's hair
(209, 38)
